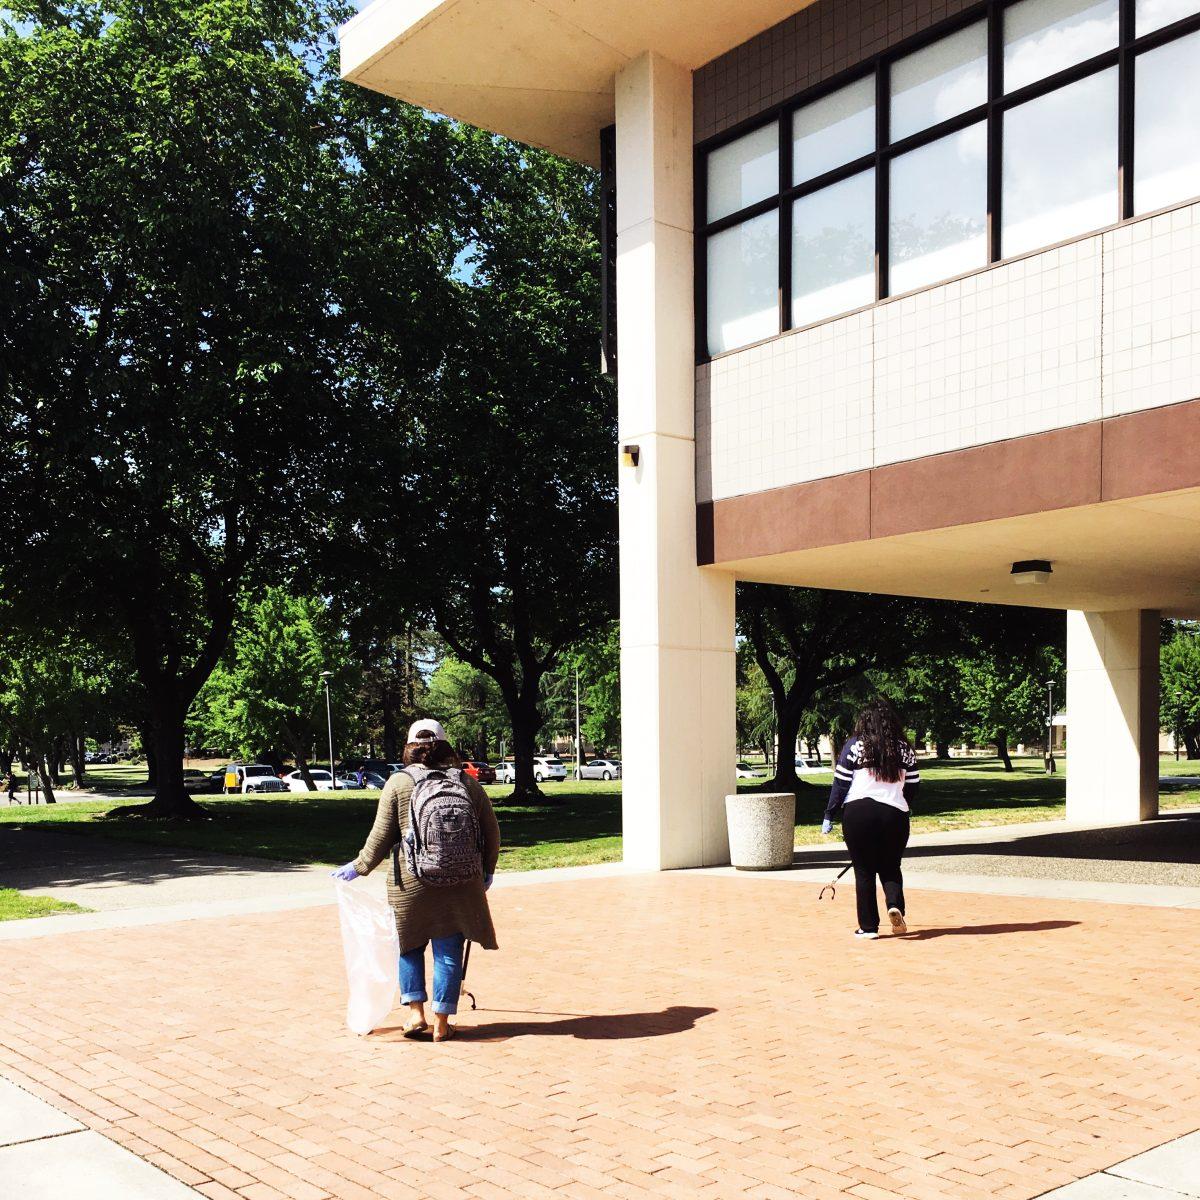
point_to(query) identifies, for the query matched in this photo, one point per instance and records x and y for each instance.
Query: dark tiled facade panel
(815, 44)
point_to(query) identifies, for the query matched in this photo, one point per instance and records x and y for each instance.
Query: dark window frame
(1123, 56)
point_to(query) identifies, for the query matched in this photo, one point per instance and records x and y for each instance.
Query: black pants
(876, 835)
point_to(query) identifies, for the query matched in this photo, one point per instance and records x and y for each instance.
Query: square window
(1045, 36)
(1060, 164)
(938, 219)
(1166, 155)
(939, 82)
(743, 172)
(743, 283)
(833, 249)
(834, 130)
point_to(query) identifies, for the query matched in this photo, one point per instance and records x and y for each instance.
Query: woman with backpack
(438, 825)
(874, 782)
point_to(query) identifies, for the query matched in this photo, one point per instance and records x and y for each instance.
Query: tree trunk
(526, 721)
(1002, 748)
(302, 767)
(1192, 743)
(46, 775)
(942, 749)
(789, 717)
(78, 766)
(171, 800)
(391, 751)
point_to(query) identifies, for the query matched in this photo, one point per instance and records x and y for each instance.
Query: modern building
(908, 301)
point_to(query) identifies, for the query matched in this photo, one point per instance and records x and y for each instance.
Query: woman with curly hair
(874, 782)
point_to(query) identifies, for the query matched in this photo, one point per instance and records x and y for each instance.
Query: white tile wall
(1105, 325)
(1152, 312)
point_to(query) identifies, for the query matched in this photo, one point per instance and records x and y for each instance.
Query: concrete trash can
(761, 830)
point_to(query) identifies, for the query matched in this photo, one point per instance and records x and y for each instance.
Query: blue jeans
(447, 973)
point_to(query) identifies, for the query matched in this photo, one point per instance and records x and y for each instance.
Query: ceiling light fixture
(1031, 571)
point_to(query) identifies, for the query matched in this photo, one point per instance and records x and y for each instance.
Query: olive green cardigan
(424, 912)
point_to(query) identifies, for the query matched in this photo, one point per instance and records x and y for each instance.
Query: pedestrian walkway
(1170, 1172)
(638, 1035)
(46, 1155)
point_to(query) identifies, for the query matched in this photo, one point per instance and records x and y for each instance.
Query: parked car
(322, 778)
(252, 777)
(506, 771)
(746, 771)
(371, 779)
(216, 780)
(356, 766)
(548, 768)
(196, 783)
(808, 765)
(348, 781)
(600, 768)
(482, 771)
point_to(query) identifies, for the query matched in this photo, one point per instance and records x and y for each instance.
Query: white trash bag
(372, 952)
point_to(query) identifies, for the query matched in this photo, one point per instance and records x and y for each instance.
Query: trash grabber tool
(831, 886)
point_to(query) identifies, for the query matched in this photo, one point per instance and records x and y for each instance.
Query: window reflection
(1166, 151)
(743, 284)
(833, 249)
(834, 130)
(938, 225)
(1060, 164)
(743, 172)
(942, 80)
(1154, 14)
(1044, 36)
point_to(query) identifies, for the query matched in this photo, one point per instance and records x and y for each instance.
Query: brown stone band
(1117, 458)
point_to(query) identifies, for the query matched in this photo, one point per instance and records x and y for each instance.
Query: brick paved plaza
(668, 1035)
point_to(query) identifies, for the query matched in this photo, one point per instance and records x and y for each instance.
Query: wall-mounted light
(1031, 571)
(631, 455)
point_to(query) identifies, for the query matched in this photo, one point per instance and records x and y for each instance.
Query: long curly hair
(881, 731)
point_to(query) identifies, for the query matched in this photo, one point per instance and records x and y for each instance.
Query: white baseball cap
(427, 726)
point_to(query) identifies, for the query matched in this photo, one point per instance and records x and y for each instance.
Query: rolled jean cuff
(414, 998)
(445, 1008)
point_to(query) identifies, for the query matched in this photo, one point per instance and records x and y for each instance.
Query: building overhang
(538, 71)
(1112, 505)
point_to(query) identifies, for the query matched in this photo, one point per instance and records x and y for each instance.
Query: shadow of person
(606, 1027)
(920, 935)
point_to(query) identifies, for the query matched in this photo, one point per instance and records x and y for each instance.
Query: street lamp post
(1051, 766)
(578, 743)
(326, 676)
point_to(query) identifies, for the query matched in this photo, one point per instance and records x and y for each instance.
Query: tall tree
(197, 282)
(267, 693)
(808, 643)
(1179, 684)
(512, 527)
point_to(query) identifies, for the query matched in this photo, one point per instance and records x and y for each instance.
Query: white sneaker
(897, 919)
(863, 935)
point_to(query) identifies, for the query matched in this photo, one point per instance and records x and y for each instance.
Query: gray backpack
(444, 842)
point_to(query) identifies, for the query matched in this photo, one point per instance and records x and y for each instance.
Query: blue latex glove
(827, 826)
(487, 881)
(347, 872)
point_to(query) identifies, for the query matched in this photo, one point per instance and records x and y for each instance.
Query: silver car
(601, 768)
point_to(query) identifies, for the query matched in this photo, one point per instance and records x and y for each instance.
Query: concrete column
(1112, 716)
(677, 632)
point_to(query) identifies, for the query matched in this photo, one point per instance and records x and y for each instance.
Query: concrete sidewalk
(47, 1155)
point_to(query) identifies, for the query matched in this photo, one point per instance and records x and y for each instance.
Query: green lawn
(15, 906)
(584, 828)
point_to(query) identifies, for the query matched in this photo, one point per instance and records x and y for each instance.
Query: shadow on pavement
(37, 858)
(922, 935)
(607, 1027)
(1168, 838)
